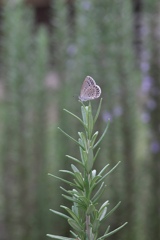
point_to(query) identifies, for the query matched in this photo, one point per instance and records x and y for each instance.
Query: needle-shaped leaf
(60, 214)
(95, 225)
(94, 138)
(70, 137)
(62, 179)
(83, 139)
(97, 143)
(93, 182)
(112, 232)
(75, 225)
(59, 237)
(112, 210)
(74, 159)
(107, 230)
(102, 213)
(84, 115)
(74, 115)
(79, 179)
(96, 154)
(71, 199)
(106, 203)
(66, 171)
(74, 168)
(89, 162)
(98, 111)
(108, 172)
(75, 235)
(72, 214)
(103, 169)
(99, 193)
(90, 121)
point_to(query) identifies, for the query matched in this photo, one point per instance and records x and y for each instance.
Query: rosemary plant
(85, 215)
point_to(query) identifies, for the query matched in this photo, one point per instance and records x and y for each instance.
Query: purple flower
(155, 147)
(145, 67)
(86, 5)
(107, 116)
(72, 49)
(151, 104)
(146, 84)
(145, 117)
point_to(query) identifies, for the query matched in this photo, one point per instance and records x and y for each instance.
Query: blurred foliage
(117, 43)
(23, 150)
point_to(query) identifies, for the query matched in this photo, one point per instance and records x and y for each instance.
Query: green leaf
(74, 168)
(70, 183)
(90, 209)
(107, 230)
(59, 213)
(73, 192)
(84, 200)
(101, 136)
(102, 213)
(108, 172)
(96, 154)
(83, 139)
(94, 138)
(84, 115)
(74, 159)
(98, 111)
(106, 203)
(99, 193)
(75, 209)
(83, 155)
(112, 210)
(75, 225)
(66, 171)
(90, 121)
(100, 173)
(70, 137)
(93, 182)
(75, 235)
(112, 232)
(72, 214)
(79, 178)
(74, 116)
(78, 185)
(59, 237)
(72, 199)
(95, 225)
(89, 162)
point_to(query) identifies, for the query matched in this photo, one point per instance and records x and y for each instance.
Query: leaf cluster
(87, 186)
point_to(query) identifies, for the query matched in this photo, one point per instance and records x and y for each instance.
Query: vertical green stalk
(86, 214)
(23, 148)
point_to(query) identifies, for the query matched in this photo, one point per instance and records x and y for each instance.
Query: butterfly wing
(88, 82)
(89, 94)
(89, 90)
(98, 91)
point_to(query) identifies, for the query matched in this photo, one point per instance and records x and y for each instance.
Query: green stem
(88, 226)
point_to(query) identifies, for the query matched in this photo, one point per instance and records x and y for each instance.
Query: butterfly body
(89, 90)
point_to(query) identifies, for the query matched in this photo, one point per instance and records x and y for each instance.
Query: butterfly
(89, 90)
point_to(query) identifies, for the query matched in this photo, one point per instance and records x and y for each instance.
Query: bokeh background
(46, 50)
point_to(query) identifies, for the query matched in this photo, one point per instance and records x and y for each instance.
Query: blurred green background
(46, 50)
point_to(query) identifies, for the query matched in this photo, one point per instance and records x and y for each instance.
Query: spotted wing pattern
(89, 90)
